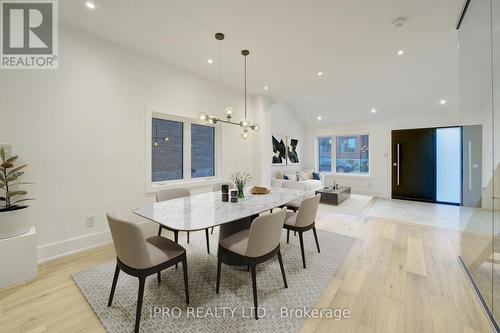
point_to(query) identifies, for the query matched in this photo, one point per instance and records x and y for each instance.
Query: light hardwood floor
(398, 277)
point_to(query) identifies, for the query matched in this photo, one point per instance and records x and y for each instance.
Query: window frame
(187, 180)
(333, 170)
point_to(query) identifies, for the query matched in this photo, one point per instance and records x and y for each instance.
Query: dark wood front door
(414, 164)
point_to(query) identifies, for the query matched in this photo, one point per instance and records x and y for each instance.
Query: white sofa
(311, 184)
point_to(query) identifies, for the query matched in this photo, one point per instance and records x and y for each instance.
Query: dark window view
(167, 145)
(352, 154)
(202, 151)
(325, 154)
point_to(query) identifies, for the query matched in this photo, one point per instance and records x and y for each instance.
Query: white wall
(285, 122)
(81, 130)
(378, 183)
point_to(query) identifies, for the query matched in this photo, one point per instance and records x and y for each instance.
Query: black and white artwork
(279, 149)
(292, 155)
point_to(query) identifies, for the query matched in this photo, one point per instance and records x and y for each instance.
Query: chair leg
(295, 233)
(248, 268)
(159, 277)
(185, 270)
(159, 230)
(254, 287)
(113, 286)
(287, 236)
(302, 249)
(212, 231)
(316, 238)
(282, 269)
(140, 296)
(208, 242)
(219, 264)
(176, 239)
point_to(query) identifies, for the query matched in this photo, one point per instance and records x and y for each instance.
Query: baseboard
(49, 252)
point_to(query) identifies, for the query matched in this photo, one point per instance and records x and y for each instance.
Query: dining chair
(217, 187)
(142, 257)
(175, 193)
(294, 205)
(253, 246)
(303, 220)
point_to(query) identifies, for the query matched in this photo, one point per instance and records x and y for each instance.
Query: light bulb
(244, 135)
(255, 127)
(228, 111)
(156, 143)
(166, 139)
(202, 117)
(244, 123)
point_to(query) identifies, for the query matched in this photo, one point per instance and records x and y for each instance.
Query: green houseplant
(240, 179)
(12, 199)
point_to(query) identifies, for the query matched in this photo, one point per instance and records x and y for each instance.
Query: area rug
(352, 206)
(164, 308)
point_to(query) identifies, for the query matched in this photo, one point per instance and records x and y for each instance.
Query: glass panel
(448, 165)
(476, 218)
(325, 154)
(202, 151)
(166, 145)
(496, 160)
(352, 154)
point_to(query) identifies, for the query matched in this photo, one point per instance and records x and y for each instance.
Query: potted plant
(240, 179)
(13, 220)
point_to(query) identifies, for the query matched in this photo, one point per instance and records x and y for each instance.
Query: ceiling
(351, 41)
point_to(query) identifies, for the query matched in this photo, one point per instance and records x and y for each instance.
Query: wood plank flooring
(398, 277)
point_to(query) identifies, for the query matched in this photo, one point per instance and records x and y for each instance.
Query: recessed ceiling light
(319, 118)
(266, 88)
(401, 52)
(90, 5)
(210, 61)
(442, 102)
(373, 110)
(320, 73)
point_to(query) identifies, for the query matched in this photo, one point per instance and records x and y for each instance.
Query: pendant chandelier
(245, 125)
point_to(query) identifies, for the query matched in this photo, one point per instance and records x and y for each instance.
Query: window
(352, 154)
(181, 149)
(202, 151)
(325, 154)
(167, 146)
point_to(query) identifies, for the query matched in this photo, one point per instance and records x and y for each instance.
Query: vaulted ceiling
(352, 42)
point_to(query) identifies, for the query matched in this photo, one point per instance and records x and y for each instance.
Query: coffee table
(334, 196)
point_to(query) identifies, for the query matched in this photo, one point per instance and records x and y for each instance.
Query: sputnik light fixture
(245, 125)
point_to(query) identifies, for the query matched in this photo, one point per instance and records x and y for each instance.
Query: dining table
(207, 210)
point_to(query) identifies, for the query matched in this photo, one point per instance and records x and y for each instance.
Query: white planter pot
(13, 223)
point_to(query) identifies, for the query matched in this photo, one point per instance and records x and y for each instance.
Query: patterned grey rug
(164, 308)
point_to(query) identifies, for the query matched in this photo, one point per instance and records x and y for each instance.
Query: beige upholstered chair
(171, 194)
(253, 246)
(303, 220)
(141, 257)
(294, 205)
(218, 186)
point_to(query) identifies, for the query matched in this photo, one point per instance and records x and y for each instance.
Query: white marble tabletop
(207, 210)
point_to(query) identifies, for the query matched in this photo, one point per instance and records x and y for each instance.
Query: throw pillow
(316, 176)
(301, 175)
(309, 173)
(285, 177)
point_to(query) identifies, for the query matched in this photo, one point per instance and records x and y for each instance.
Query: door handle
(397, 161)
(470, 165)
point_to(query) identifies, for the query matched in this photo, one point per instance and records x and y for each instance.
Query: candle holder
(234, 196)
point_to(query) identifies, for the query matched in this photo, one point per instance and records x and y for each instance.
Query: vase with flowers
(240, 179)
